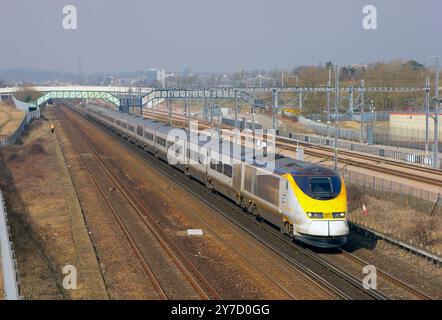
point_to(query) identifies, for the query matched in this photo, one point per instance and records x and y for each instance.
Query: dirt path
(47, 225)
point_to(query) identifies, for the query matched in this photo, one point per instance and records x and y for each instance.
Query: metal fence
(329, 131)
(33, 115)
(413, 157)
(9, 265)
(417, 198)
(403, 137)
(12, 138)
(355, 116)
(242, 123)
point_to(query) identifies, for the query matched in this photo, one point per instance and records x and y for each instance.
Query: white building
(156, 77)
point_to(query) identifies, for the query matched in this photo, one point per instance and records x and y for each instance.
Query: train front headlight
(338, 215)
(315, 215)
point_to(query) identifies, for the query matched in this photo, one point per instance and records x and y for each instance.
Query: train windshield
(320, 188)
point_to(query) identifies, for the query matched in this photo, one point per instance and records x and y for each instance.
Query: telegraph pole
(351, 102)
(275, 106)
(211, 109)
(362, 108)
(328, 101)
(170, 111)
(300, 106)
(188, 109)
(427, 112)
(436, 118)
(236, 109)
(336, 115)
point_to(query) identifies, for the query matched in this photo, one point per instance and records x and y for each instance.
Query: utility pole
(274, 109)
(300, 106)
(253, 121)
(351, 102)
(362, 108)
(336, 115)
(436, 118)
(170, 111)
(236, 109)
(211, 109)
(427, 112)
(188, 109)
(328, 101)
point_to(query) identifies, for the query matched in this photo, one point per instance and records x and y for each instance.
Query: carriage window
(212, 164)
(227, 170)
(219, 167)
(140, 131)
(147, 135)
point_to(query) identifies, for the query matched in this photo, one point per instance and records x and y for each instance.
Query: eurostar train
(306, 201)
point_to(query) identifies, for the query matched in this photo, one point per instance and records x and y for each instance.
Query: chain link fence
(413, 197)
(8, 266)
(399, 137)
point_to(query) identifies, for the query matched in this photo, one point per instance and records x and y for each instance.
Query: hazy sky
(214, 35)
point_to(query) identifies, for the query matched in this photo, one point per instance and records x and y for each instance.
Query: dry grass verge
(47, 226)
(10, 118)
(419, 225)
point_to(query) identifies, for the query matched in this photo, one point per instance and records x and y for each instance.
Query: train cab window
(219, 167)
(319, 187)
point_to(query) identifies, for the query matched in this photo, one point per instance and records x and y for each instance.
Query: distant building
(156, 78)
(108, 80)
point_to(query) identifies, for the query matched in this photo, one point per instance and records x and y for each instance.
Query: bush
(424, 229)
(355, 196)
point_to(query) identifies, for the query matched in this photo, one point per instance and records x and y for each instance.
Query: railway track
(186, 281)
(353, 288)
(290, 292)
(341, 282)
(396, 283)
(348, 158)
(432, 176)
(199, 191)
